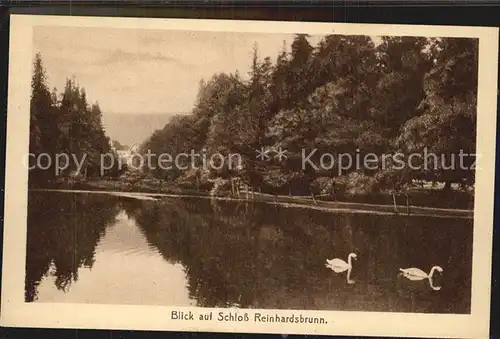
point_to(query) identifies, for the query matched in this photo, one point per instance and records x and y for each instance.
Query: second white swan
(414, 273)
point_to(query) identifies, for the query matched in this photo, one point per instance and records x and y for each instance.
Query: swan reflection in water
(339, 265)
(413, 273)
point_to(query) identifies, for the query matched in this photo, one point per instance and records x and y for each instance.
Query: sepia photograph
(240, 176)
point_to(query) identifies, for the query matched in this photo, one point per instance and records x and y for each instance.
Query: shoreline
(282, 200)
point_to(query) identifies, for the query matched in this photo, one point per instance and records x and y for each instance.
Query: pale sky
(145, 71)
(142, 77)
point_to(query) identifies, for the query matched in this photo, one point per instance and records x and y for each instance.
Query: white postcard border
(15, 312)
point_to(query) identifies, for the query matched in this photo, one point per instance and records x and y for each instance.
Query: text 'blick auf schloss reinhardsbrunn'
(245, 317)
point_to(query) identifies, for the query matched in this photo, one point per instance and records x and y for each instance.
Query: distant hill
(133, 128)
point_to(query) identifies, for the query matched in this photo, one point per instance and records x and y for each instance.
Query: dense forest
(64, 123)
(346, 95)
(404, 95)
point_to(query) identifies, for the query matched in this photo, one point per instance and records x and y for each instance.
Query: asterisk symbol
(280, 154)
(262, 154)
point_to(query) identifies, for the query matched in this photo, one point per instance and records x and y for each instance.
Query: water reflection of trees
(263, 256)
(63, 230)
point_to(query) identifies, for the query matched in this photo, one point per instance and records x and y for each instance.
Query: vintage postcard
(246, 176)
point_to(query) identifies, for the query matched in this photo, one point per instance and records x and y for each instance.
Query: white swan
(339, 265)
(413, 273)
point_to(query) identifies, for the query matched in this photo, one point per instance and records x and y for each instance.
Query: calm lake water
(99, 248)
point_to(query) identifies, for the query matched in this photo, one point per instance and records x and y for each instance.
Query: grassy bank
(122, 186)
(379, 204)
